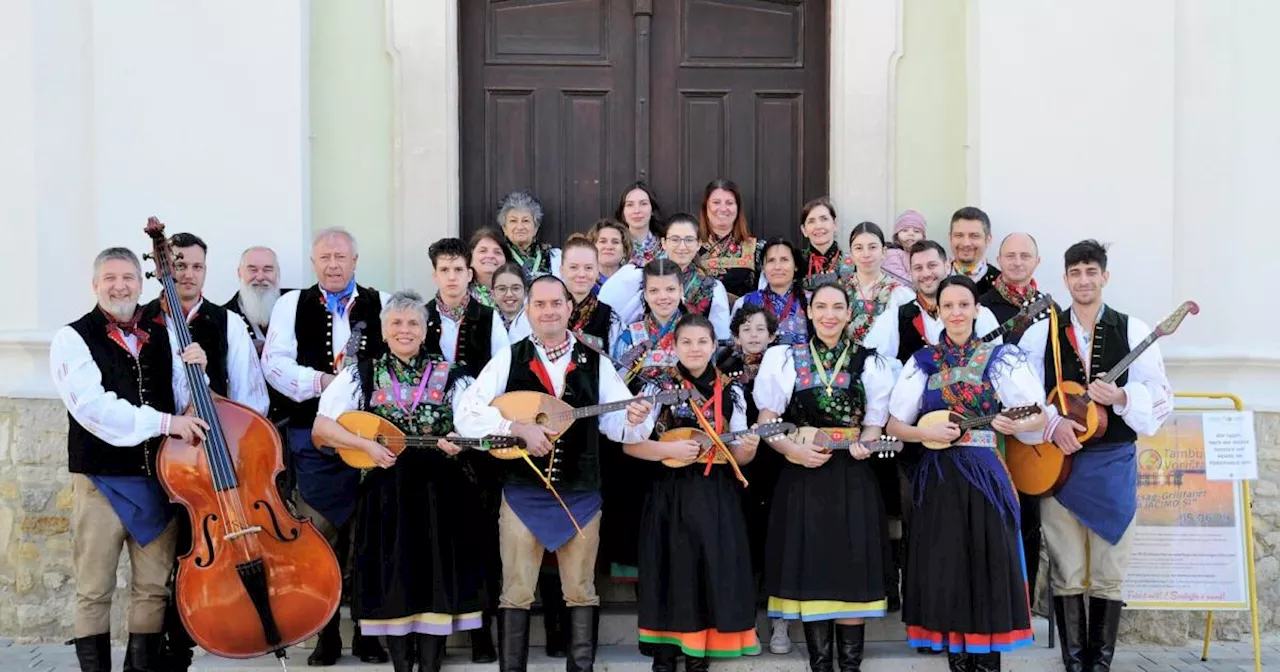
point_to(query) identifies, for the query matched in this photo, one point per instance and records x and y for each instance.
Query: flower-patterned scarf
(865, 311)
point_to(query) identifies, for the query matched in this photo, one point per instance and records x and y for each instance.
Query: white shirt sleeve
(1033, 342)
(1018, 386)
(280, 354)
(904, 402)
(737, 305)
(901, 295)
(986, 323)
(498, 338)
(1150, 397)
(520, 328)
(877, 382)
(775, 380)
(342, 395)
(246, 382)
(556, 259)
(883, 335)
(624, 292)
(720, 313)
(614, 425)
(738, 422)
(645, 428)
(474, 417)
(105, 415)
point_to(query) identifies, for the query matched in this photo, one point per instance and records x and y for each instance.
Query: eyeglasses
(508, 289)
(687, 241)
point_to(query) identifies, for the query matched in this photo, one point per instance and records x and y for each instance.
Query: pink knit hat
(909, 219)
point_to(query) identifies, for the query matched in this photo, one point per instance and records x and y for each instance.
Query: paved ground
(884, 654)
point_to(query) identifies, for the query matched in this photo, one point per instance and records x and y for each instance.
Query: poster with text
(1188, 546)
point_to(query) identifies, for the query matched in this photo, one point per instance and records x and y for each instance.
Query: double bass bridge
(253, 529)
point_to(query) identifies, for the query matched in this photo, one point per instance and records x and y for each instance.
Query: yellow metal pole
(1208, 630)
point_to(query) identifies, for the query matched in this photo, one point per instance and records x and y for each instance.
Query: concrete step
(886, 651)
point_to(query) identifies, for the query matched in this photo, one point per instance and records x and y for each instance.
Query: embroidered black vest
(577, 455)
(909, 338)
(1005, 311)
(313, 327)
(475, 336)
(987, 282)
(145, 381)
(811, 406)
(598, 326)
(209, 330)
(1110, 345)
(731, 362)
(281, 406)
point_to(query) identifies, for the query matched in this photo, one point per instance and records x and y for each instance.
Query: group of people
(682, 342)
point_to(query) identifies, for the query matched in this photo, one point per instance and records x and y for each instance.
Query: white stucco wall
(195, 112)
(1149, 125)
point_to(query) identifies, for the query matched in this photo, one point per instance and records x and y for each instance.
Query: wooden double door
(574, 99)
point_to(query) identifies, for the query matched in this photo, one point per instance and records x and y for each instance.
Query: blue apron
(1102, 490)
(325, 482)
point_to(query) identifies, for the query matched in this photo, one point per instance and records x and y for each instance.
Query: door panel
(546, 100)
(553, 100)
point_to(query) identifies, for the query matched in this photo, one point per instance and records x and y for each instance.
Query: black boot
(431, 652)
(1104, 625)
(664, 657)
(958, 662)
(328, 644)
(1069, 612)
(817, 637)
(143, 653)
(583, 625)
(849, 640)
(94, 653)
(985, 662)
(367, 649)
(513, 637)
(554, 613)
(482, 651)
(692, 664)
(401, 653)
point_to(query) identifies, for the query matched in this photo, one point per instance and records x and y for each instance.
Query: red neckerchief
(918, 320)
(1016, 296)
(540, 370)
(820, 263)
(115, 327)
(717, 412)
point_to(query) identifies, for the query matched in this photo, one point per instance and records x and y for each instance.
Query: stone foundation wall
(37, 593)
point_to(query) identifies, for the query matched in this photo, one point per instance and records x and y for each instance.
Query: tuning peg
(177, 256)
(146, 256)
(150, 275)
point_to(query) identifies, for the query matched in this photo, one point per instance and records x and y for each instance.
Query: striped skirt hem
(422, 624)
(824, 610)
(967, 642)
(709, 643)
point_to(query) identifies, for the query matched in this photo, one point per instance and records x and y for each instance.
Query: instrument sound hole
(540, 419)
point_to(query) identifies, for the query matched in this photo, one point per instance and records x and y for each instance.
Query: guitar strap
(1057, 358)
(719, 445)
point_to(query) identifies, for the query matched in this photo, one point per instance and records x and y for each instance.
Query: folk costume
(645, 251)
(310, 336)
(703, 294)
(281, 406)
(982, 274)
(538, 260)
(823, 267)
(918, 325)
(968, 586)
(696, 593)
(532, 518)
(1099, 499)
(788, 308)
(418, 576)
(121, 383)
(234, 372)
(735, 263)
(833, 511)
(868, 303)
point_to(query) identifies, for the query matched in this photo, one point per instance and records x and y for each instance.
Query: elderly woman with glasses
(702, 294)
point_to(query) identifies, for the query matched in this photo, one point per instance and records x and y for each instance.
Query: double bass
(257, 579)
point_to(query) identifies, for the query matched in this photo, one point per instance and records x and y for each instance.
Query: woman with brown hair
(821, 260)
(487, 255)
(613, 247)
(729, 251)
(638, 211)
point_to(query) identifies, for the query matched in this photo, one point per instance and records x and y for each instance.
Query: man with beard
(918, 324)
(970, 237)
(259, 274)
(233, 371)
(115, 372)
(308, 335)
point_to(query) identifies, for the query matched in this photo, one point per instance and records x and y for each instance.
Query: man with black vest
(115, 372)
(309, 342)
(468, 334)
(233, 371)
(970, 237)
(1015, 287)
(259, 275)
(918, 324)
(553, 362)
(1088, 523)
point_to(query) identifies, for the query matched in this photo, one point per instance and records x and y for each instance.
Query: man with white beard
(259, 273)
(116, 375)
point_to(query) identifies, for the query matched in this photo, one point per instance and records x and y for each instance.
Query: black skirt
(827, 542)
(625, 482)
(695, 573)
(757, 501)
(967, 589)
(415, 545)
